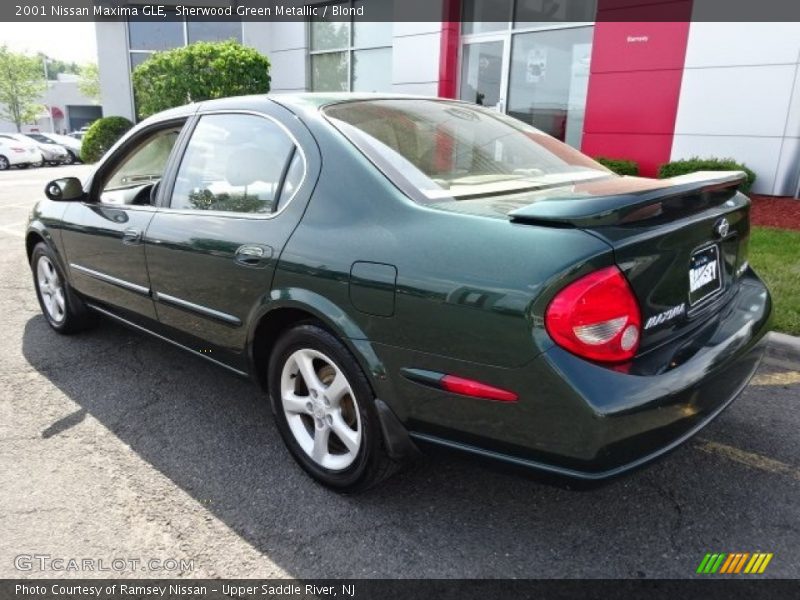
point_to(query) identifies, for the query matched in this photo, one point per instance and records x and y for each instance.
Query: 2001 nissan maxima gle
(398, 270)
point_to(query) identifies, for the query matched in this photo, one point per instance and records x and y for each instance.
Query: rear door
(239, 191)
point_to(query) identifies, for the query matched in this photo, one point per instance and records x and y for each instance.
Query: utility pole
(46, 106)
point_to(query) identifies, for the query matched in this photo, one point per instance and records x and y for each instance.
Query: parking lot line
(15, 229)
(784, 378)
(750, 459)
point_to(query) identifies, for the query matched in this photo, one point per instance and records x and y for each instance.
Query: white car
(16, 153)
(70, 144)
(52, 154)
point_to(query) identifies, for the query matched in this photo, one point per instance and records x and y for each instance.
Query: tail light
(596, 317)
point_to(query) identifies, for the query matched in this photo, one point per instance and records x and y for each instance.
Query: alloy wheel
(4, 164)
(51, 289)
(321, 409)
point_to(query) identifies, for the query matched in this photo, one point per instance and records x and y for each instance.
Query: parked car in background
(53, 154)
(399, 271)
(18, 153)
(78, 135)
(70, 144)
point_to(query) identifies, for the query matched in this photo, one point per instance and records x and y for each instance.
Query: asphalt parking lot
(116, 445)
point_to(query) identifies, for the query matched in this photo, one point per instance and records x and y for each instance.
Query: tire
(4, 164)
(333, 434)
(70, 158)
(62, 308)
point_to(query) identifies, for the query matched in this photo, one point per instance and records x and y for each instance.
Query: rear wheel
(64, 310)
(325, 412)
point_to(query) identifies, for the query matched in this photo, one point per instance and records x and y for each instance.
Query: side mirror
(64, 189)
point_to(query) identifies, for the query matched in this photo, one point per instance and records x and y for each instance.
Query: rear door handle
(253, 255)
(132, 236)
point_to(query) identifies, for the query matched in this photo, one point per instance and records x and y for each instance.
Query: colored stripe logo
(734, 563)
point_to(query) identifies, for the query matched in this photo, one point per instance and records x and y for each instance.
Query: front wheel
(325, 412)
(69, 159)
(64, 310)
(4, 164)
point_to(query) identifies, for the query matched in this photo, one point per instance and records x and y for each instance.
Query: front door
(239, 192)
(484, 71)
(103, 237)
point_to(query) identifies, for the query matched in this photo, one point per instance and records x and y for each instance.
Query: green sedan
(399, 272)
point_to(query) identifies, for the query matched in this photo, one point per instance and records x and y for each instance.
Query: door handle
(132, 236)
(252, 255)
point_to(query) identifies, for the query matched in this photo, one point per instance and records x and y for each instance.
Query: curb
(783, 346)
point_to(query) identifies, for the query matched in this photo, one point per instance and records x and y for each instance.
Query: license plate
(704, 275)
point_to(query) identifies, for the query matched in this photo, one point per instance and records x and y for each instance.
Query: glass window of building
(348, 55)
(549, 80)
(529, 59)
(154, 35)
(541, 13)
(481, 16)
(213, 31)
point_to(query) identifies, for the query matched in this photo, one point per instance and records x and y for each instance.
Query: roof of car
(319, 99)
(305, 102)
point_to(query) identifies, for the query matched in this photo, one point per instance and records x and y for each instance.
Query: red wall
(635, 80)
(448, 49)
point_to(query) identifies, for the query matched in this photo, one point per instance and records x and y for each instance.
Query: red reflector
(476, 389)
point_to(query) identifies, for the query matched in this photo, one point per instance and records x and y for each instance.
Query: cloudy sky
(64, 41)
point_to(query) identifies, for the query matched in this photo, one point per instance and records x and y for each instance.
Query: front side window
(236, 163)
(446, 150)
(143, 167)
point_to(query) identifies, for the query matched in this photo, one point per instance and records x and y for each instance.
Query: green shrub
(694, 164)
(197, 72)
(620, 166)
(101, 136)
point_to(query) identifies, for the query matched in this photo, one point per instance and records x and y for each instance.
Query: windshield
(446, 150)
(38, 137)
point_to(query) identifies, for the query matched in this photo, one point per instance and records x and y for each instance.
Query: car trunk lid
(681, 242)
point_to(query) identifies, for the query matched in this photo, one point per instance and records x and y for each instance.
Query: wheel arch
(32, 238)
(287, 308)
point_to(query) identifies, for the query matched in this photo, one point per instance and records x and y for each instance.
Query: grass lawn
(775, 255)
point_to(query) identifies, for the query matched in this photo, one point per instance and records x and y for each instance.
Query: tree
(103, 134)
(55, 67)
(89, 84)
(200, 71)
(22, 84)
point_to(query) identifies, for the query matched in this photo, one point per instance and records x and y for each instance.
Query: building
(643, 90)
(64, 108)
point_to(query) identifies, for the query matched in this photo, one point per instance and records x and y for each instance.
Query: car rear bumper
(586, 421)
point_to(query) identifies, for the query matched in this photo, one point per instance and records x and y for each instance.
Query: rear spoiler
(594, 211)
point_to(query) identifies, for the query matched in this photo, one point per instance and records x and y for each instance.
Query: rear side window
(234, 163)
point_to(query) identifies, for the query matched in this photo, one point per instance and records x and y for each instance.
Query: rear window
(443, 151)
